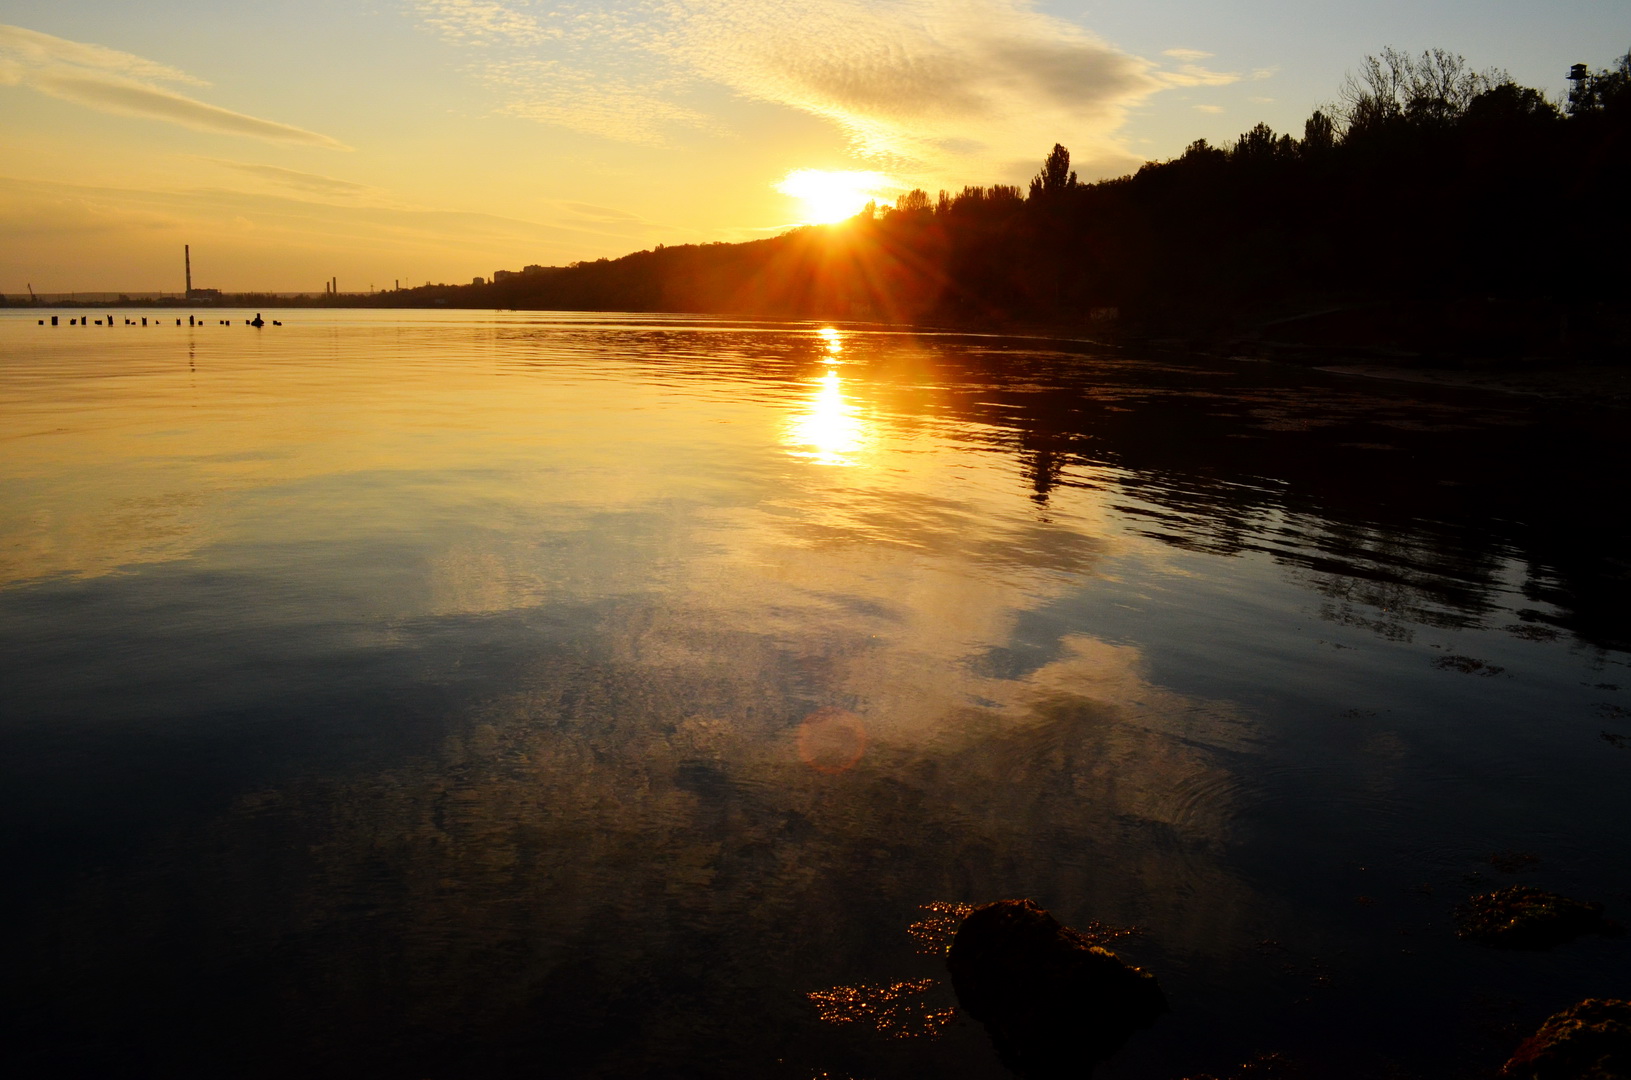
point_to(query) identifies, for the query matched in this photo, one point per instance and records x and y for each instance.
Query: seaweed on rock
(1521, 917)
(1054, 1003)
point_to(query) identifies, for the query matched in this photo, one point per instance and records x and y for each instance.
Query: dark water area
(473, 694)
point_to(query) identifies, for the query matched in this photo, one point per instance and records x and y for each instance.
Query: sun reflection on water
(830, 429)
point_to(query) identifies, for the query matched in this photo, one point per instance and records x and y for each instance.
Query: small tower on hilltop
(1579, 75)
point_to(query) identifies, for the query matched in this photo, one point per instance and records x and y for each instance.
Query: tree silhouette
(1319, 134)
(1056, 176)
(915, 200)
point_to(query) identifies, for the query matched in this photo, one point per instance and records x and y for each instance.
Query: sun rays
(826, 196)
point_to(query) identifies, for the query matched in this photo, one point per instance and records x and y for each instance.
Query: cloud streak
(295, 180)
(38, 211)
(920, 86)
(124, 84)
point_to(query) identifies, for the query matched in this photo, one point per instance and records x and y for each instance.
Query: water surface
(490, 694)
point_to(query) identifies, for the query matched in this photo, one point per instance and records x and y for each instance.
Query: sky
(386, 141)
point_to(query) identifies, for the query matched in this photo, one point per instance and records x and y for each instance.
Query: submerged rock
(1053, 1003)
(1520, 917)
(1588, 1041)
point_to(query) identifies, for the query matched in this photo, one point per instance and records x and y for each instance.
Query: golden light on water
(826, 196)
(933, 932)
(901, 1010)
(830, 429)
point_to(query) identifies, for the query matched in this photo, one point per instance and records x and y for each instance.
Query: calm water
(487, 695)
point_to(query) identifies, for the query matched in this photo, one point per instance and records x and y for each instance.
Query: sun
(828, 196)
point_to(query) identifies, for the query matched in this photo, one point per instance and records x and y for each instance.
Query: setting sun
(828, 196)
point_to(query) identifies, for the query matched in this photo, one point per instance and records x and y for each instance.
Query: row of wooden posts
(86, 321)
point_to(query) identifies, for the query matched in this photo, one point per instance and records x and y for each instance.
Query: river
(447, 694)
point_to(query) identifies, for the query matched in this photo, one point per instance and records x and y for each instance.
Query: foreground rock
(1588, 1041)
(1053, 1003)
(1520, 917)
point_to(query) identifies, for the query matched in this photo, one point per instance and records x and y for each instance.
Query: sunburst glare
(827, 196)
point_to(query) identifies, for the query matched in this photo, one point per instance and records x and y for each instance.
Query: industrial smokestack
(187, 253)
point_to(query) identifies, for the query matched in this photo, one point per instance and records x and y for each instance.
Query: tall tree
(1056, 176)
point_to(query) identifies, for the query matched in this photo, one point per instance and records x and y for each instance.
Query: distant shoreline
(1604, 383)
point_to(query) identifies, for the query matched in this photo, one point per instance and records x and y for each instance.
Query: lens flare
(831, 740)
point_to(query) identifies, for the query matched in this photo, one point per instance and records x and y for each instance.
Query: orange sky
(437, 140)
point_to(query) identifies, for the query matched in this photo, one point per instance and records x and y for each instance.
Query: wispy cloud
(29, 48)
(565, 65)
(483, 22)
(600, 213)
(594, 102)
(920, 86)
(1189, 73)
(126, 85)
(295, 180)
(39, 210)
(917, 81)
(1207, 108)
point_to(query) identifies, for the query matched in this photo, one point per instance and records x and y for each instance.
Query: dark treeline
(1426, 186)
